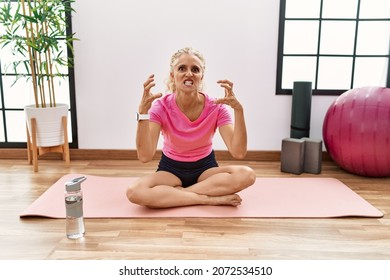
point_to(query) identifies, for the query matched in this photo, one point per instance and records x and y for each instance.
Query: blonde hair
(188, 50)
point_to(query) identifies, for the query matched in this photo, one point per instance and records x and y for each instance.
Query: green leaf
(27, 66)
(29, 18)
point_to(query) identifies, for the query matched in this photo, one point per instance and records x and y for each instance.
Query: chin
(189, 89)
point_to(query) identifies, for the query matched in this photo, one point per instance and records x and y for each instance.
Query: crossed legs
(215, 186)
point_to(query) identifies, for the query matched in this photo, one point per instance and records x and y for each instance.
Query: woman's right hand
(148, 97)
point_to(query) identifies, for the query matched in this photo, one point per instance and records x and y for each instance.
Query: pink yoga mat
(105, 197)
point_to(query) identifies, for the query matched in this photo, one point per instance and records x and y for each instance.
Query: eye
(181, 68)
(195, 69)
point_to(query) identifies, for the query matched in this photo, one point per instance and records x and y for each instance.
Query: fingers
(228, 85)
(148, 97)
(227, 82)
(229, 98)
(149, 83)
(150, 79)
(155, 96)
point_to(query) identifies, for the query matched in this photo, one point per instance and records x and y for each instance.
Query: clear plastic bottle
(74, 208)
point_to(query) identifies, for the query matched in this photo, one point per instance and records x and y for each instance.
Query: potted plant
(36, 34)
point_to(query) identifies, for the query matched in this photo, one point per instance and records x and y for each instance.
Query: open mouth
(188, 82)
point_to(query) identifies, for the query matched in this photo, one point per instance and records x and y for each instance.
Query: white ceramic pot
(50, 130)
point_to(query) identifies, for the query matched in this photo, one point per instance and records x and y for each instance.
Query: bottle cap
(75, 184)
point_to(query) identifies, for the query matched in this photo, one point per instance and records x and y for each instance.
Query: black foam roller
(301, 110)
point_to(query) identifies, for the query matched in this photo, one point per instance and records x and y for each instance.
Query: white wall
(123, 41)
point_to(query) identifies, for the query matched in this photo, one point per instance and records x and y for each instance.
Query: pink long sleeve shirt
(186, 140)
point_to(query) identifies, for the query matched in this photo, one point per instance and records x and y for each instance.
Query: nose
(189, 73)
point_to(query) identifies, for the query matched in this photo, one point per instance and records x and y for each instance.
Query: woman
(188, 173)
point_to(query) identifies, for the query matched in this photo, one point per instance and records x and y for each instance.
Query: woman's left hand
(229, 99)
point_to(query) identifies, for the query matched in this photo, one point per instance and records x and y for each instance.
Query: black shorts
(187, 172)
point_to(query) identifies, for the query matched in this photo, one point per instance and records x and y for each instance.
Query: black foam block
(301, 110)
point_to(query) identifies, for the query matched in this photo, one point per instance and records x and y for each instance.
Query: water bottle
(74, 208)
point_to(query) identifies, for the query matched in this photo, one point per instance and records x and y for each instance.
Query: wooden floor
(185, 238)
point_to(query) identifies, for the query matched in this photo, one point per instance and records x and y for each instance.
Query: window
(13, 99)
(337, 45)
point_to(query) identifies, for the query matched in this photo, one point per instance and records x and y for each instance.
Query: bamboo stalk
(44, 72)
(38, 59)
(41, 80)
(50, 71)
(48, 79)
(33, 74)
(52, 80)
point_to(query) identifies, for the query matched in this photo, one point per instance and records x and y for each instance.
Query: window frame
(318, 55)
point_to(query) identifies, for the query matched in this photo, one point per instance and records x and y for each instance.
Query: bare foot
(230, 199)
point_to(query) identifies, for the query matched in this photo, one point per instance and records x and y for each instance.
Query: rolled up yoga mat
(301, 110)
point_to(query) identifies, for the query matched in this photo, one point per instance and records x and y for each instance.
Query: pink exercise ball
(356, 131)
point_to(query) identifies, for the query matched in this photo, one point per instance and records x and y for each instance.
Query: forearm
(147, 133)
(145, 147)
(239, 138)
